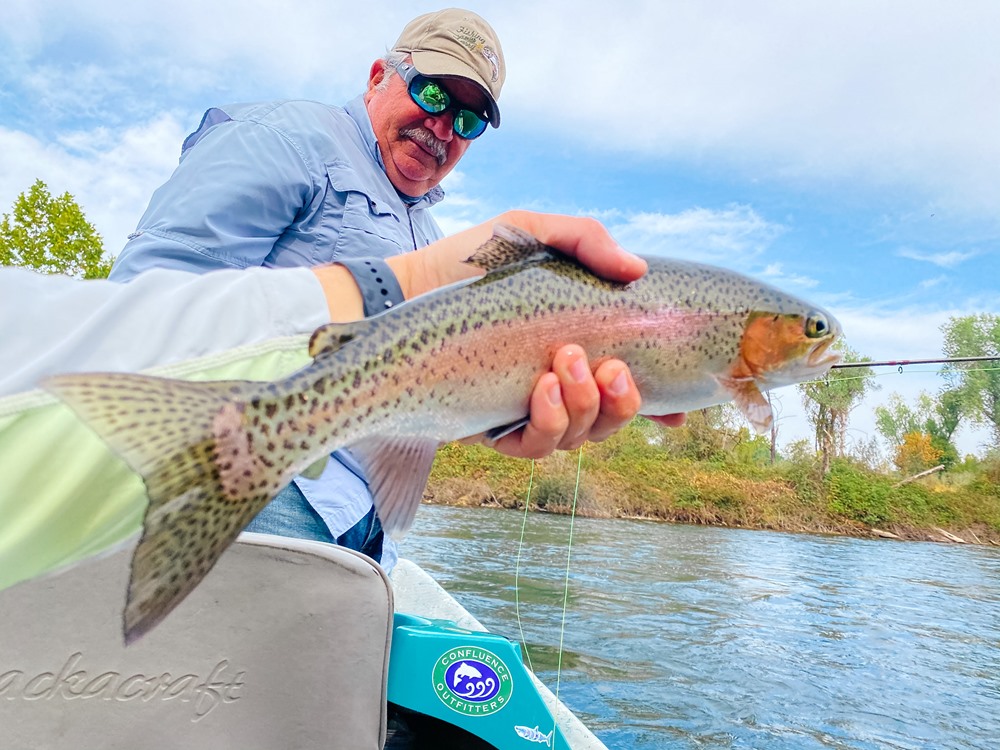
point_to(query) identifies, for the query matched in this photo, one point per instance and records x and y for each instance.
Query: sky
(847, 152)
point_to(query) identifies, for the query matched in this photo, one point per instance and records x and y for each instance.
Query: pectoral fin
(496, 433)
(397, 471)
(750, 401)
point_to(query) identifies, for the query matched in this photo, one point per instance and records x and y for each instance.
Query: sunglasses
(433, 99)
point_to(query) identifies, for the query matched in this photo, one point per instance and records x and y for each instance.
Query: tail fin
(173, 433)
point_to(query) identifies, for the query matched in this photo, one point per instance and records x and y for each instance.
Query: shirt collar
(357, 111)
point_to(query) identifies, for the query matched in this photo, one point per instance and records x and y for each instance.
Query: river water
(692, 637)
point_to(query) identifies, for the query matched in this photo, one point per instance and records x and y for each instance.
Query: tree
(829, 402)
(916, 453)
(976, 388)
(51, 235)
(937, 419)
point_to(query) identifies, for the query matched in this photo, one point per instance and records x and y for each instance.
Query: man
(299, 183)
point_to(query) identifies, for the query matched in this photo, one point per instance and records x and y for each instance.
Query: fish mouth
(821, 357)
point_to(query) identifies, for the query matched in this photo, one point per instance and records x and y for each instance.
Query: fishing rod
(903, 362)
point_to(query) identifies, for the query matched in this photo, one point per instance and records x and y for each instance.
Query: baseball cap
(456, 42)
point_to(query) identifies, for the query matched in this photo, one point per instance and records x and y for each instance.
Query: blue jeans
(290, 514)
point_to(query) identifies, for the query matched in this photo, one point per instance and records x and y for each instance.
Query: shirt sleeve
(236, 190)
(55, 324)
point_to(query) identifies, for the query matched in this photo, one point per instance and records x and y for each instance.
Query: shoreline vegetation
(677, 477)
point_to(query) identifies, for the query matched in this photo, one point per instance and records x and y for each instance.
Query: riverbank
(626, 477)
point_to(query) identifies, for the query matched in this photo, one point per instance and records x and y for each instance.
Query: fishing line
(517, 568)
(569, 552)
(908, 371)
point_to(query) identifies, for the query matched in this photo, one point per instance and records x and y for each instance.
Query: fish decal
(463, 671)
(455, 362)
(533, 735)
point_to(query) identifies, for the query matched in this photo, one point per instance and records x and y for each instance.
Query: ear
(376, 74)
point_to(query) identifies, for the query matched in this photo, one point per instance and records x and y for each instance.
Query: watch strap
(380, 290)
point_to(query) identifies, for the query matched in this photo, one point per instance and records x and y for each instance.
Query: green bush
(857, 495)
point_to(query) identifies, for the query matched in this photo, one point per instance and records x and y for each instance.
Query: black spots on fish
(320, 386)
(465, 327)
(270, 410)
(450, 330)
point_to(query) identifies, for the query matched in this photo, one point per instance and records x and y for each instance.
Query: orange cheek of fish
(770, 340)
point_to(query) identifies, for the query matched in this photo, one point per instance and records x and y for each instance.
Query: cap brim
(436, 64)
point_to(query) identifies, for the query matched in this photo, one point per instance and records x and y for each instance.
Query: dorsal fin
(509, 246)
(329, 338)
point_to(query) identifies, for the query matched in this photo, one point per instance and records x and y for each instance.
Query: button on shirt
(285, 183)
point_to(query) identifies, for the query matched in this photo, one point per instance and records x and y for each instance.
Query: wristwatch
(380, 290)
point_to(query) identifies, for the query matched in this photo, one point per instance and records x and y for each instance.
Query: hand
(572, 404)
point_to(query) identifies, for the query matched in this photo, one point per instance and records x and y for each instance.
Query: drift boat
(287, 644)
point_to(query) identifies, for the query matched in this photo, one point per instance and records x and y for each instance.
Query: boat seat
(285, 644)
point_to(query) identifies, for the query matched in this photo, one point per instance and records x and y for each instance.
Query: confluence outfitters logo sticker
(472, 681)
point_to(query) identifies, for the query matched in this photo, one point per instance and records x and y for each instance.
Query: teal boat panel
(474, 680)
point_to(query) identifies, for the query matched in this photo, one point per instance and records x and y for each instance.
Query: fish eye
(817, 325)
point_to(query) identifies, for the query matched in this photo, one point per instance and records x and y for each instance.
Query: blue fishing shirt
(284, 183)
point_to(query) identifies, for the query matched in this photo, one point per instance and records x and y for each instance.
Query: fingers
(581, 396)
(548, 423)
(571, 405)
(620, 399)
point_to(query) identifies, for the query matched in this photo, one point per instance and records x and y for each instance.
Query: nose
(441, 125)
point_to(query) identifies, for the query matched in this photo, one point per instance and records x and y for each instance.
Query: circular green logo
(472, 681)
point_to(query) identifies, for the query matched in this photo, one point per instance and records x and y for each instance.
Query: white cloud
(735, 235)
(945, 260)
(775, 274)
(931, 283)
(888, 94)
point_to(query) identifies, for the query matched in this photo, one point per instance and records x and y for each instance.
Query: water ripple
(691, 637)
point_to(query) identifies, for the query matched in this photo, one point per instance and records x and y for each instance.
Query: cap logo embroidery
(476, 43)
(493, 60)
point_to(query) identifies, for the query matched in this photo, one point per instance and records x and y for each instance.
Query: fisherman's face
(418, 149)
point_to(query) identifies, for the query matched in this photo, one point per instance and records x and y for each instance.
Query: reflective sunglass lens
(469, 124)
(433, 99)
(429, 95)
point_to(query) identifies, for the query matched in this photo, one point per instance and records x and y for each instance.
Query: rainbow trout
(458, 361)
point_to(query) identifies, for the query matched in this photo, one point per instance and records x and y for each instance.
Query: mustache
(426, 138)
